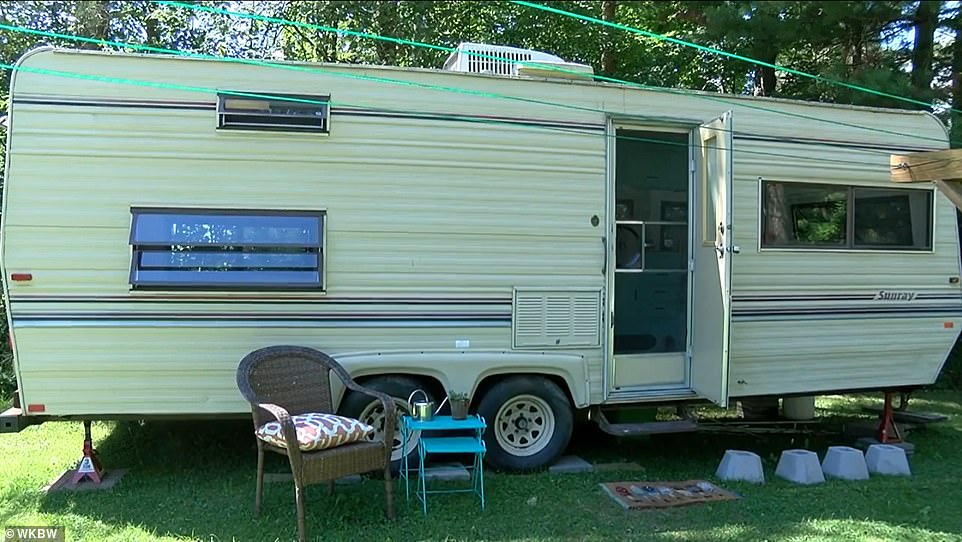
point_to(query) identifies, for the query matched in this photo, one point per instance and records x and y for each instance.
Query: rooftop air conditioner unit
(512, 61)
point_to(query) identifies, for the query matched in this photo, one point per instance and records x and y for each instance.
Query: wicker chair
(284, 381)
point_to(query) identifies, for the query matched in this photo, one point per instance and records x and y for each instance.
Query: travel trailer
(550, 245)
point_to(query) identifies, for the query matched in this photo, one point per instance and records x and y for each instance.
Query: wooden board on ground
(646, 494)
(909, 416)
(63, 482)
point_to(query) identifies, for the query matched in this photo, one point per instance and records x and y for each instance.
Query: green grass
(194, 481)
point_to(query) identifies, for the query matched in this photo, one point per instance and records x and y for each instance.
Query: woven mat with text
(645, 494)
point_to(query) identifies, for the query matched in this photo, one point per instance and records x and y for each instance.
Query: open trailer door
(712, 266)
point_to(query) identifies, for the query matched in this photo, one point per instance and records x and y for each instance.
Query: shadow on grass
(196, 480)
(943, 402)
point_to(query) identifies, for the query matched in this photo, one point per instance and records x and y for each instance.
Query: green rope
(706, 49)
(441, 116)
(683, 92)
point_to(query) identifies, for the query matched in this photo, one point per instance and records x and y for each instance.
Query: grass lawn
(195, 481)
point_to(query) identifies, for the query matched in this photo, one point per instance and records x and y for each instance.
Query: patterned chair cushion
(316, 431)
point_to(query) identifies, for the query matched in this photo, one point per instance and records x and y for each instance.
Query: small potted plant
(459, 404)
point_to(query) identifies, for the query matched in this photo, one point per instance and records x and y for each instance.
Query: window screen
(226, 249)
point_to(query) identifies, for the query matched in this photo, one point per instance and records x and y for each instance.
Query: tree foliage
(899, 47)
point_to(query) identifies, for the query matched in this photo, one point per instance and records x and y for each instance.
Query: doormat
(638, 495)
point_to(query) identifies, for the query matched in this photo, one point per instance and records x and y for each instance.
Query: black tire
(523, 450)
(400, 387)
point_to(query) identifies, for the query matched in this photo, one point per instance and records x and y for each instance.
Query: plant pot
(459, 410)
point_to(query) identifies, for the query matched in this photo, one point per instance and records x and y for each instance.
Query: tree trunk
(387, 18)
(776, 225)
(765, 77)
(768, 81)
(608, 60)
(925, 21)
(957, 79)
(93, 21)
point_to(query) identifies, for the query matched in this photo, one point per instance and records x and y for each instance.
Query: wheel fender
(463, 370)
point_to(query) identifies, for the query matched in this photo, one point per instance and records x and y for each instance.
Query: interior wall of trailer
(651, 280)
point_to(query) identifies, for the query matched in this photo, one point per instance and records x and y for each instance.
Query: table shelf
(452, 445)
(473, 445)
(446, 423)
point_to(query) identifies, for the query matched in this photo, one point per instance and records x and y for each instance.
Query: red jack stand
(888, 432)
(89, 466)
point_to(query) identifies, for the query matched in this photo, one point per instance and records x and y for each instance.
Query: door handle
(736, 249)
(604, 255)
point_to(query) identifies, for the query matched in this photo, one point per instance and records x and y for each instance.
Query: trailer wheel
(529, 423)
(371, 411)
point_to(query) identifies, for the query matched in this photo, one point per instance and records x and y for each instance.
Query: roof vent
(503, 60)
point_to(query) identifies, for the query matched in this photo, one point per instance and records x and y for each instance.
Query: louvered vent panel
(528, 317)
(494, 60)
(546, 319)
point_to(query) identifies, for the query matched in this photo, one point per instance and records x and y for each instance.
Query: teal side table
(439, 444)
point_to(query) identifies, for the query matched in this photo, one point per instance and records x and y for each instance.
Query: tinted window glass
(810, 215)
(893, 218)
(213, 249)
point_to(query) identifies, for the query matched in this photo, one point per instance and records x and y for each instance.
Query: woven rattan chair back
(296, 378)
(283, 381)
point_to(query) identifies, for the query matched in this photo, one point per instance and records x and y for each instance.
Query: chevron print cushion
(316, 431)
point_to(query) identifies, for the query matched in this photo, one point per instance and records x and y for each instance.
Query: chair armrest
(287, 426)
(390, 409)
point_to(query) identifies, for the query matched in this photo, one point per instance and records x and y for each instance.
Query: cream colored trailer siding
(838, 123)
(839, 344)
(190, 370)
(416, 207)
(779, 357)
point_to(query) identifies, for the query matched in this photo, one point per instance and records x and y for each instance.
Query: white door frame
(676, 126)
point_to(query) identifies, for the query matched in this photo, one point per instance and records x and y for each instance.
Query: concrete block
(845, 462)
(742, 466)
(570, 464)
(800, 466)
(864, 443)
(351, 480)
(887, 459)
(616, 466)
(446, 472)
(273, 477)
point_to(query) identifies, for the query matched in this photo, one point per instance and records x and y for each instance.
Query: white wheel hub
(373, 415)
(524, 425)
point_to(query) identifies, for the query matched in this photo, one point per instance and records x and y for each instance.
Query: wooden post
(944, 168)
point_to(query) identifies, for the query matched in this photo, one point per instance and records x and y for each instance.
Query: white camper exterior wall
(453, 215)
